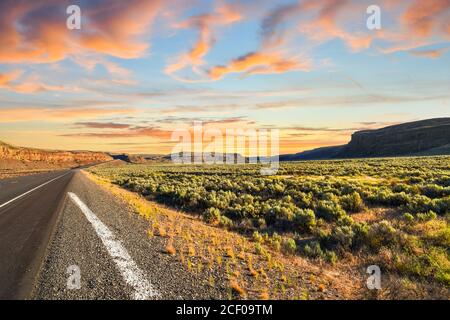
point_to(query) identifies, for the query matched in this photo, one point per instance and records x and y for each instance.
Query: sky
(137, 70)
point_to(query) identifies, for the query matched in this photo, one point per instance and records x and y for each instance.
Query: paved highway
(64, 237)
(28, 207)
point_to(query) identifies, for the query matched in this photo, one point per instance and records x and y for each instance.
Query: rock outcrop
(418, 138)
(51, 157)
(403, 139)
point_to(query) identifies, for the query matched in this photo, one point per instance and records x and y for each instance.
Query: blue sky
(138, 70)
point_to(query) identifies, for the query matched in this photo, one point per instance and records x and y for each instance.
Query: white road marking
(131, 273)
(40, 186)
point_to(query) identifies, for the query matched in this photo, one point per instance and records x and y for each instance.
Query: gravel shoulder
(75, 242)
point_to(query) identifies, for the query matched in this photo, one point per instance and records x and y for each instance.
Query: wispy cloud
(102, 125)
(58, 114)
(134, 132)
(347, 101)
(434, 53)
(14, 81)
(424, 17)
(259, 63)
(224, 14)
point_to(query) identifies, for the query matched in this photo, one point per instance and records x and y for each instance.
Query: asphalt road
(26, 224)
(66, 238)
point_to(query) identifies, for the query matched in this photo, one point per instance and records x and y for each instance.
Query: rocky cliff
(418, 138)
(403, 139)
(13, 154)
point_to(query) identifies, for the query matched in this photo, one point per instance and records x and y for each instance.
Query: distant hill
(425, 137)
(12, 157)
(314, 154)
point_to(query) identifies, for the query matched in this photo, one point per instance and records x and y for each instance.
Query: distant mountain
(17, 157)
(425, 137)
(314, 154)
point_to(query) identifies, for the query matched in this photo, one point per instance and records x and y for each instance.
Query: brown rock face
(404, 139)
(60, 158)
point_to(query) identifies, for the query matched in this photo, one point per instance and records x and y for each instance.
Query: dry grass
(170, 248)
(237, 289)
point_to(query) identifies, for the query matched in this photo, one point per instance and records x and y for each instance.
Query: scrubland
(310, 231)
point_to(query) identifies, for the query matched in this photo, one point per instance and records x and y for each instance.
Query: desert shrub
(259, 250)
(414, 180)
(352, 202)
(386, 197)
(432, 264)
(401, 187)
(257, 237)
(430, 215)
(226, 222)
(329, 210)
(360, 230)
(441, 206)
(304, 219)
(408, 217)
(432, 191)
(330, 257)
(289, 246)
(313, 250)
(211, 215)
(341, 238)
(381, 234)
(398, 199)
(275, 241)
(419, 203)
(442, 237)
(345, 221)
(303, 200)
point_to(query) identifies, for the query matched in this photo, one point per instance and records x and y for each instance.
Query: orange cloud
(434, 54)
(115, 29)
(422, 16)
(11, 81)
(326, 23)
(225, 14)
(7, 78)
(419, 24)
(58, 114)
(258, 62)
(35, 31)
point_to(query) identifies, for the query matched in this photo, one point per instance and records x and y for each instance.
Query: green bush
(430, 215)
(257, 237)
(341, 238)
(226, 222)
(432, 191)
(313, 250)
(408, 217)
(441, 206)
(304, 219)
(289, 246)
(329, 210)
(275, 241)
(381, 234)
(330, 257)
(211, 215)
(352, 202)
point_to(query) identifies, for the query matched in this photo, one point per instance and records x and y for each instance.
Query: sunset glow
(139, 69)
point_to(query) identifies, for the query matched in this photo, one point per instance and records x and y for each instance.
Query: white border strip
(40, 186)
(131, 273)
